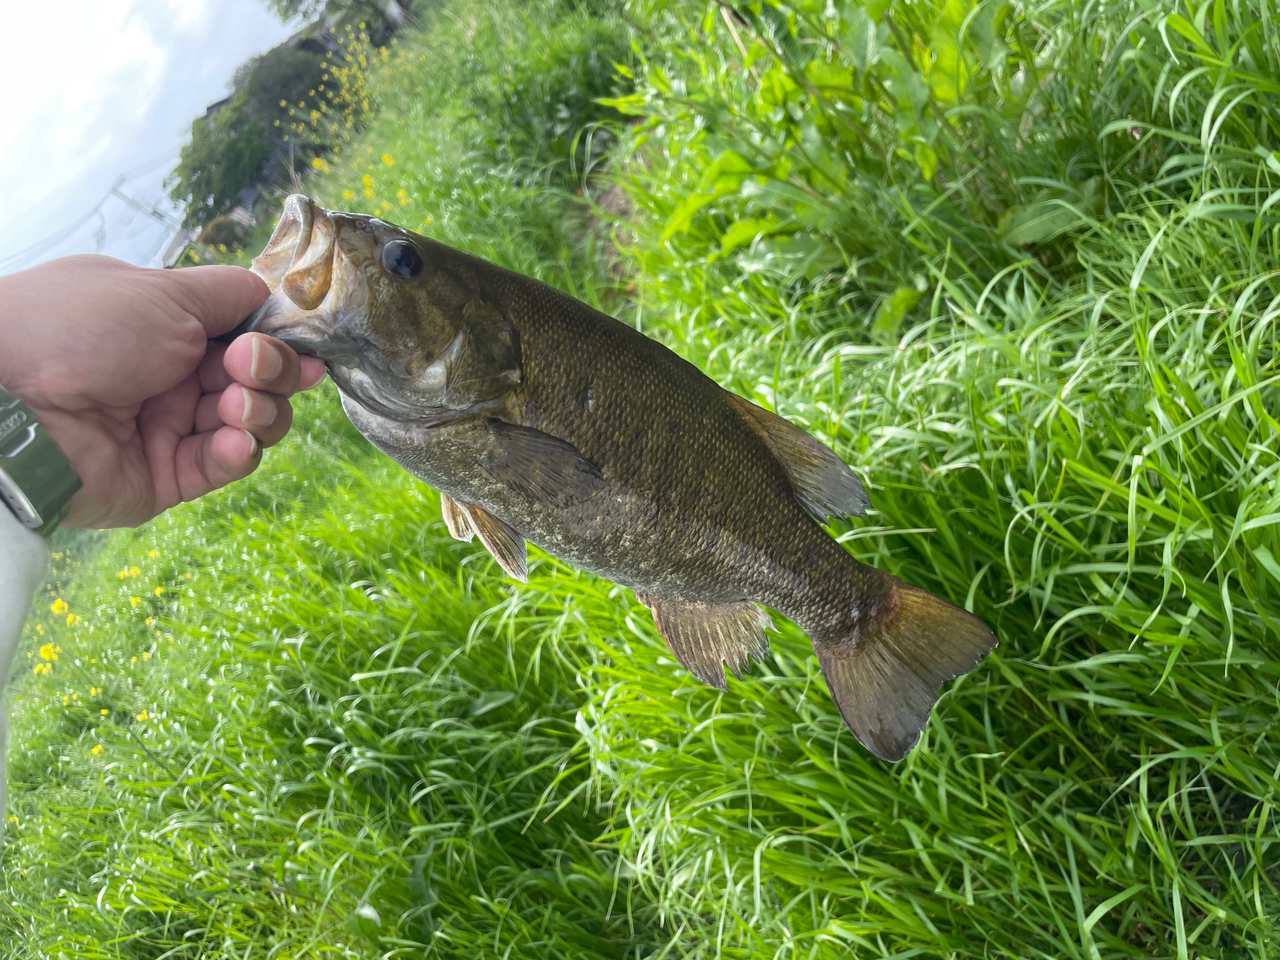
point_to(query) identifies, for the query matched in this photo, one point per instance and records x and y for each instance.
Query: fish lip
(289, 241)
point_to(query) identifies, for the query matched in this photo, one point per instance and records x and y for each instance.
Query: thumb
(220, 297)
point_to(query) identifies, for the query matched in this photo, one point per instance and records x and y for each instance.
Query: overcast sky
(97, 89)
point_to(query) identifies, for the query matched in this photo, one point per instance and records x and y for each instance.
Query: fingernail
(255, 450)
(258, 410)
(265, 362)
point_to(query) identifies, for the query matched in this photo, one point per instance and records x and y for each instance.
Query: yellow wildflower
(151, 621)
(72, 619)
(348, 195)
(135, 601)
(58, 606)
(143, 716)
(388, 160)
(94, 691)
(403, 195)
(146, 654)
(153, 554)
(97, 748)
(42, 669)
(47, 652)
(159, 591)
(135, 572)
(320, 164)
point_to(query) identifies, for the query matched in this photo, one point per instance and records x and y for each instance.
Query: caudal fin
(886, 678)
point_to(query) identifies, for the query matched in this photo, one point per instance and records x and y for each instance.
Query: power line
(32, 253)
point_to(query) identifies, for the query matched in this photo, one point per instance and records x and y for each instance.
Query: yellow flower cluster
(338, 104)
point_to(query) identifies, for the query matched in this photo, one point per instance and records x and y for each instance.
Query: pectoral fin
(707, 636)
(466, 520)
(823, 483)
(543, 467)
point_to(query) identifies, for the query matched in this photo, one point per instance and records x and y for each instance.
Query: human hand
(115, 362)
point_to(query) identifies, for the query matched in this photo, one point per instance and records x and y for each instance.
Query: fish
(542, 420)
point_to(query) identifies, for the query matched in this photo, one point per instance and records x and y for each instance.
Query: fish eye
(401, 259)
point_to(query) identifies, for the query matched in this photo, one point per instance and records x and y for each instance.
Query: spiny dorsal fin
(823, 483)
(886, 675)
(466, 520)
(707, 636)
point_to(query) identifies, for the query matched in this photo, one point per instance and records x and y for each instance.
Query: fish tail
(885, 672)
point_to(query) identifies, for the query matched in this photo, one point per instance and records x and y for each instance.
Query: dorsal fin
(823, 483)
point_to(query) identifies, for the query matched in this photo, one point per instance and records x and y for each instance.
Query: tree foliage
(229, 147)
(276, 78)
(386, 13)
(226, 152)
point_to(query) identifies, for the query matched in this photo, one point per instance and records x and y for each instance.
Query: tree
(226, 153)
(282, 74)
(388, 13)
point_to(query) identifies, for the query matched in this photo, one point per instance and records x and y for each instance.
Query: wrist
(36, 479)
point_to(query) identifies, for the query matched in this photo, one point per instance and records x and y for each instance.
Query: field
(1018, 265)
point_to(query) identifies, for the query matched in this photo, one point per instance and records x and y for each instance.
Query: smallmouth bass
(540, 419)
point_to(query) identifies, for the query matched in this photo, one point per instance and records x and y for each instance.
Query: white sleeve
(23, 561)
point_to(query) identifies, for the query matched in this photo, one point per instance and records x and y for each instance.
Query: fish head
(401, 334)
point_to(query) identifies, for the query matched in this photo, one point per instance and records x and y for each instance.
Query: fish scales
(540, 418)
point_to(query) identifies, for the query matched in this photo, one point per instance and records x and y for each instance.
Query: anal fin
(823, 483)
(466, 520)
(706, 637)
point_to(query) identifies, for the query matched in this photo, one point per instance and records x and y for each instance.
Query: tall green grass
(1018, 265)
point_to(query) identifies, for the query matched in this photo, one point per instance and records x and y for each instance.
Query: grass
(1018, 265)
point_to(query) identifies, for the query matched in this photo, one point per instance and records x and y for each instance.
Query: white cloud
(106, 89)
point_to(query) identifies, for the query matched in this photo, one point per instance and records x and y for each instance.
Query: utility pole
(150, 210)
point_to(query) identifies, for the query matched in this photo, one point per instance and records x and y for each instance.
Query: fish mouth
(315, 290)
